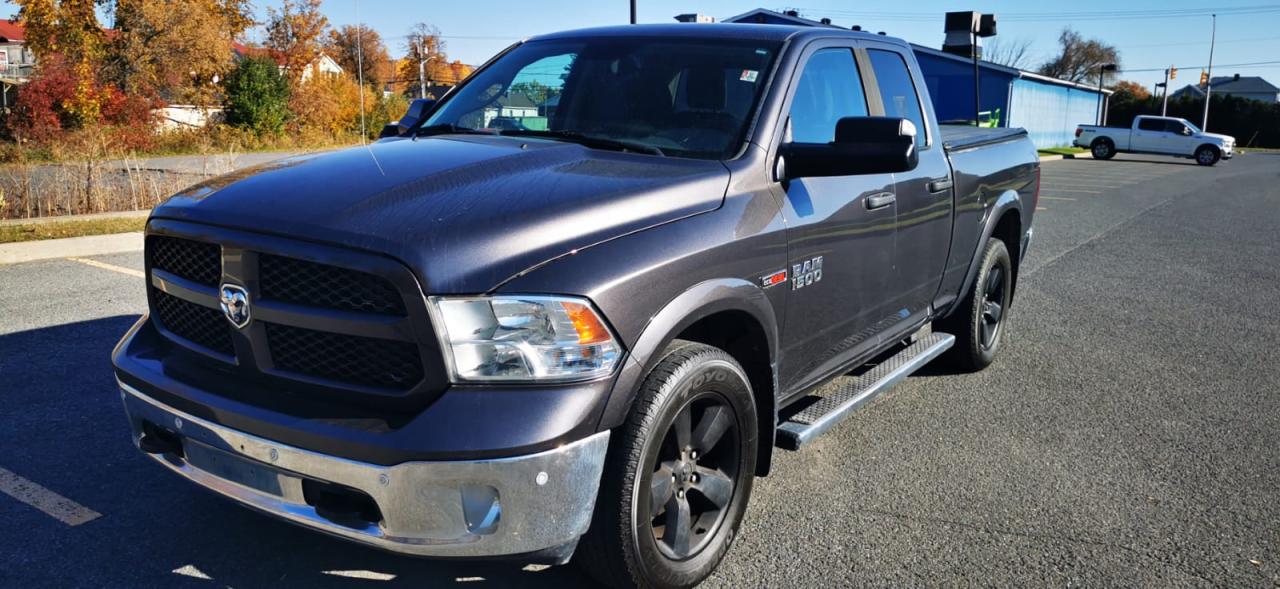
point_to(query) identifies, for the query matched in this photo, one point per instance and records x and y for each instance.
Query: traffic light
(1173, 73)
(1204, 78)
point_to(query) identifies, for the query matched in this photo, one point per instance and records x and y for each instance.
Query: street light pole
(633, 12)
(1102, 71)
(1208, 86)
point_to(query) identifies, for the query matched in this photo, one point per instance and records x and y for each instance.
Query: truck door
(840, 229)
(924, 194)
(1151, 135)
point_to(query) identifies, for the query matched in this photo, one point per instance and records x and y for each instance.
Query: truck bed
(956, 137)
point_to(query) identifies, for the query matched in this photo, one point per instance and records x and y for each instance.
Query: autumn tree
(178, 49)
(1129, 90)
(359, 50)
(1079, 59)
(68, 28)
(295, 35)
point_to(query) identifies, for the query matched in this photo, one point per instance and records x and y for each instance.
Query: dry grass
(60, 229)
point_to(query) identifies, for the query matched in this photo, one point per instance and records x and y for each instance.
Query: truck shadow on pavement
(65, 430)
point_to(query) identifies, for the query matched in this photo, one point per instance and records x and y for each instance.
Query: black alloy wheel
(992, 306)
(694, 477)
(978, 323)
(678, 474)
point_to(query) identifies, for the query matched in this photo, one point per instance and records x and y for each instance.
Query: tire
(706, 390)
(1207, 155)
(1103, 149)
(978, 323)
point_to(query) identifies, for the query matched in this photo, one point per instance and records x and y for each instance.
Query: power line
(1148, 14)
(1191, 67)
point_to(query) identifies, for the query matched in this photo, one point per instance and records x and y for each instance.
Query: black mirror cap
(389, 130)
(418, 110)
(863, 145)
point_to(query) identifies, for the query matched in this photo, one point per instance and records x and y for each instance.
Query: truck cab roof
(764, 32)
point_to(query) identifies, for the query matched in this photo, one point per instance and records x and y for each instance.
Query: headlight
(524, 338)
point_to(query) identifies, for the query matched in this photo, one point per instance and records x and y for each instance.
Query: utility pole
(633, 12)
(422, 66)
(1208, 86)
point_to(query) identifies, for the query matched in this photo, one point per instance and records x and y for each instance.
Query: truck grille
(344, 358)
(305, 315)
(196, 261)
(307, 283)
(198, 324)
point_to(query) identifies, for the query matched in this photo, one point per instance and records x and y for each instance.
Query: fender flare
(697, 302)
(1007, 201)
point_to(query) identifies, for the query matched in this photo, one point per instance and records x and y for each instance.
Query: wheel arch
(1005, 222)
(731, 314)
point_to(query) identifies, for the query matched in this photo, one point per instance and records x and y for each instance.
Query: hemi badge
(778, 277)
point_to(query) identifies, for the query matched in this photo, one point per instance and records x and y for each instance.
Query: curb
(70, 247)
(74, 218)
(1050, 158)
(1079, 156)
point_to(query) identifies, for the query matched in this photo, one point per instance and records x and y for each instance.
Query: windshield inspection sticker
(749, 75)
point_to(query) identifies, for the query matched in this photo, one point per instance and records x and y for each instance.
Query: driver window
(528, 102)
(1175, 127)
(829, 89)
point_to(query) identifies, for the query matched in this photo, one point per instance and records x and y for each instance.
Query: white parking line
(1074, 190)
(111, 267)
(1055, 197)
(52, 504)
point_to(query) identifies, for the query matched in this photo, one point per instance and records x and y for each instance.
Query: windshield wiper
(448, 129)
(587, 140)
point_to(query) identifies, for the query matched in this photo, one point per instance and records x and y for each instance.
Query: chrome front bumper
(455, 509)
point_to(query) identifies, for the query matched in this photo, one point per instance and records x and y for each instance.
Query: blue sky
(476, 30)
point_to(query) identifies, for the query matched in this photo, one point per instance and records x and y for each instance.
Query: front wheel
(678, 475)
(1207, 155)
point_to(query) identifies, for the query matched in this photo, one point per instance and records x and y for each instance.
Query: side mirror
(418, 110)
(863, 145)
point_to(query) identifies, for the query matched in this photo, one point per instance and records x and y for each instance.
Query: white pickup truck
(1162, 135)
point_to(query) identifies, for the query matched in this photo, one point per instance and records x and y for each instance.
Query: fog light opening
(341, 505)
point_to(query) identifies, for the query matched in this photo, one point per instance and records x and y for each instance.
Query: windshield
(684, 97)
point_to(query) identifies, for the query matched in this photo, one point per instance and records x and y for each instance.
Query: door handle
(939, 184)
(880, 201)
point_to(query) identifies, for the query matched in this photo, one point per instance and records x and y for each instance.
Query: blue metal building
(1048, 108)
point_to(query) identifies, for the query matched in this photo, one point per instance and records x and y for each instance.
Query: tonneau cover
(964, 136)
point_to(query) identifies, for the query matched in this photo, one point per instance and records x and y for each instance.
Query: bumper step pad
(838, 399)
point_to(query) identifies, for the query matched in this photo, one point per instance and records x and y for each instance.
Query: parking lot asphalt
(1129, 434)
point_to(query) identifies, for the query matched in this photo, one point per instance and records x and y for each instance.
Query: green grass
(1062, 151)
(60, 229)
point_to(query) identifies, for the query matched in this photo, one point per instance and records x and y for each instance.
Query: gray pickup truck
(578, 302)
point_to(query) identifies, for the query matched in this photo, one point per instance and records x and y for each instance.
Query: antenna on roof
(364, 135)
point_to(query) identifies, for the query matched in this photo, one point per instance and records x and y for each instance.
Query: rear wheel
(978, 323)
(1103, 149)
(678, 476)
(1207, 155)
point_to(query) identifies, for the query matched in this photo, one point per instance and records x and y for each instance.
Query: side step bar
(850, 392)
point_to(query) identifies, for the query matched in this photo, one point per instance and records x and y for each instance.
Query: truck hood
(465, 213)
(1222, 138)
